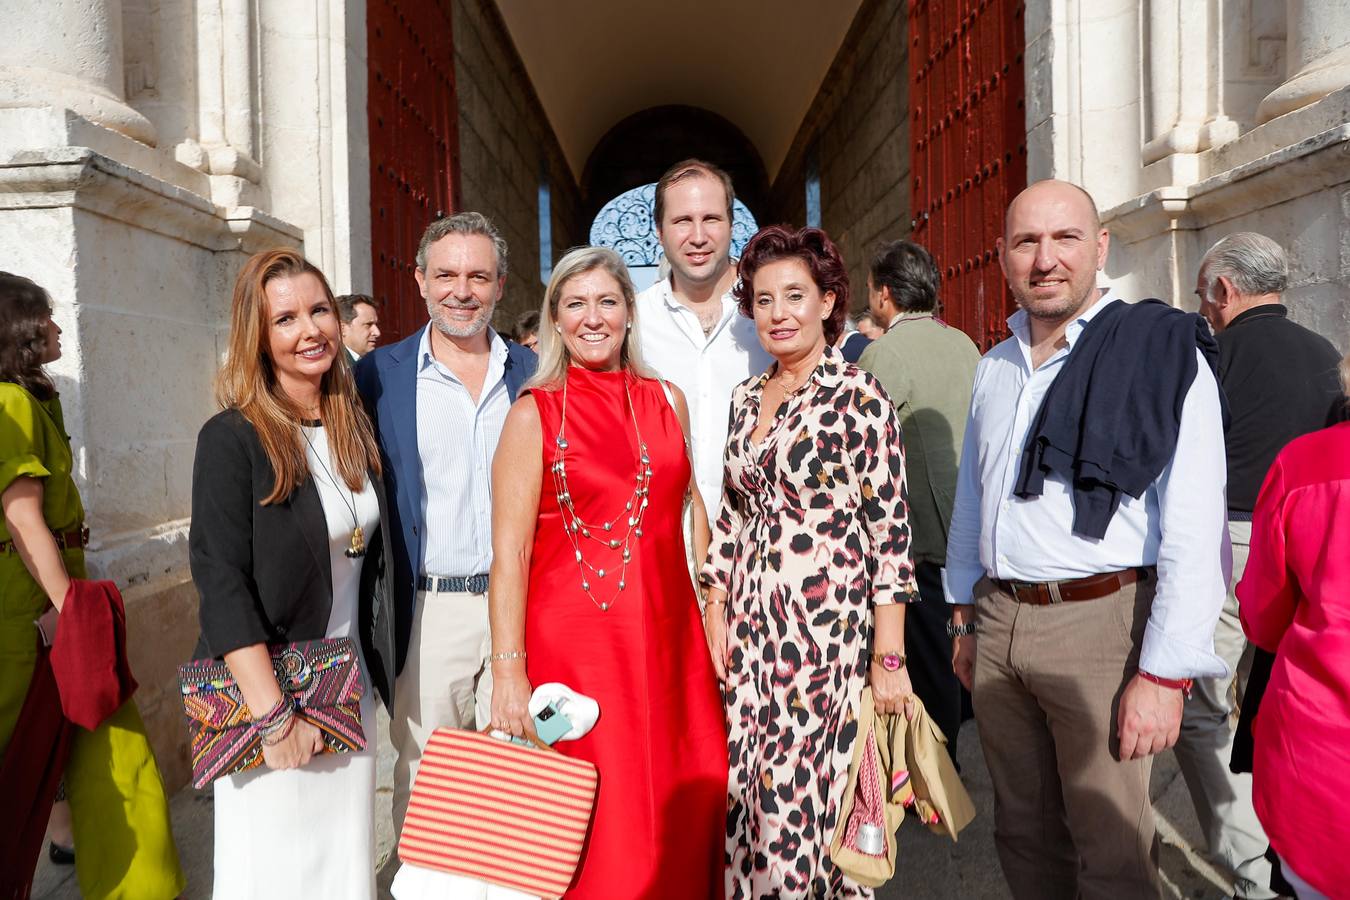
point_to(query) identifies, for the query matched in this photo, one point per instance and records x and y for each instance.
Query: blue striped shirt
(456, 439)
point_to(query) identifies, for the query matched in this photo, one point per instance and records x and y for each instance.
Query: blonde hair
(1345, 376)
(248, 382)
(554, 357)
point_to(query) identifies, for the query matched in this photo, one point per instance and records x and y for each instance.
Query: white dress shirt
(706, 368)
(456, 438)
(1179, 524)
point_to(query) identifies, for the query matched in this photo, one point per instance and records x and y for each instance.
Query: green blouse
(116, 793)
(33, 441)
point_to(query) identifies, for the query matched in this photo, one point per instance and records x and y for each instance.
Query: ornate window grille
(625, 223)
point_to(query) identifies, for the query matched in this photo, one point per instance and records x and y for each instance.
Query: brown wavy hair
(816, 251)
(24, 311)
(248, 382)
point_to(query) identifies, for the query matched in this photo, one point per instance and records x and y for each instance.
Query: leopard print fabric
(812, 533)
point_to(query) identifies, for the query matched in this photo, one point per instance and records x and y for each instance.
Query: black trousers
(928, 650)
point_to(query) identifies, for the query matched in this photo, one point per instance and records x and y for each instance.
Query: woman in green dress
(117, 801)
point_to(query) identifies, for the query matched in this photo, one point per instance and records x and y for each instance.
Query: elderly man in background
(1281, 381)
(1095, 597)
(360, 323)
(927, 367)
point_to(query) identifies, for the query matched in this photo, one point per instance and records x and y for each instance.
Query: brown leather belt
(1093, 587)
(71, 540)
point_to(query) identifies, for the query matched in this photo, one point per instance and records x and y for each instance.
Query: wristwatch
(891, 662)
(954, 630)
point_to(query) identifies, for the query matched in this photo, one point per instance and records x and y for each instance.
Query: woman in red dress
(590, 587)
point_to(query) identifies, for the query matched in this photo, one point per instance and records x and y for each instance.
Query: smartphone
(550, 724)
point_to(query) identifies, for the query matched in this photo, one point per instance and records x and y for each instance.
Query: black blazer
(263, 573)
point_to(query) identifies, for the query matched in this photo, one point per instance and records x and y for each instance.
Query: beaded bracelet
(510, 654)
(274, 738)
(277, 718)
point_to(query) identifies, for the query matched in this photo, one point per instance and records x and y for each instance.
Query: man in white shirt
(438, 399)
(691, 332)
(1085, 646)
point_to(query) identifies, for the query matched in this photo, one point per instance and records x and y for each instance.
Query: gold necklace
(358, 545)
(604, 532)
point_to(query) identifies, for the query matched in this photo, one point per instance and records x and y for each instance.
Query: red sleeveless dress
(660, 742)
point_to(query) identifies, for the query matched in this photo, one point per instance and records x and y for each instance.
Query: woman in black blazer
(287, 545)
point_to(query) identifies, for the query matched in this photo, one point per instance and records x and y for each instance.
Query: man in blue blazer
(438, 400)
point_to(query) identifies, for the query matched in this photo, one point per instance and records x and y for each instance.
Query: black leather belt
(1239, 515)
(445, 584)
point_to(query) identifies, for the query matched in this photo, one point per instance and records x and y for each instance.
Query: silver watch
(954, 630)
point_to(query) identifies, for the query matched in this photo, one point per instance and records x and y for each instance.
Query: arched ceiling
(757, 63)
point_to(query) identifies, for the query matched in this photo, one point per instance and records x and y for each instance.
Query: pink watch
(891, 662)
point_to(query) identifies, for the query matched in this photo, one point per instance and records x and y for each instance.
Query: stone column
(1182, 62)
(68, 54)
(1318, 54)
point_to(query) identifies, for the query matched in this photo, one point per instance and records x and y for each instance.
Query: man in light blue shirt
(1084, 646)
(439, 399)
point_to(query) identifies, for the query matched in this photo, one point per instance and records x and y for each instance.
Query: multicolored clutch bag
(502, 813)
(323, 676)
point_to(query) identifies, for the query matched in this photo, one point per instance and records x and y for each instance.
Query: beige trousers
(1070, 819)
(446, 681)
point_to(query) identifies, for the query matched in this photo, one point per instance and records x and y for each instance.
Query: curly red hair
(816, 251)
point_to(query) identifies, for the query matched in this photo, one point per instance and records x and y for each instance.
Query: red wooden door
(968, 149)
(414, 146)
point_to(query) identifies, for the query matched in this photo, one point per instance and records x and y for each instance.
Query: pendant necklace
(619, 533)
(358, 545)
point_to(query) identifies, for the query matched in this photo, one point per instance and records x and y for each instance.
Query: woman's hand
(891, 691)
(511, 698)
(715, 630)
(296, 748)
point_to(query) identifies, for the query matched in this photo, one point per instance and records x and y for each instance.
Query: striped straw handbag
(499, 812)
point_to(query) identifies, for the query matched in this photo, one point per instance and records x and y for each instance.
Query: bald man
(1083, 608)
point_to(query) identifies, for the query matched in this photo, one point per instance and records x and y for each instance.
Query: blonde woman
(589, 587)
(286, 545)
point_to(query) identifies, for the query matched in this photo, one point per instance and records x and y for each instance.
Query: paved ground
(929, 866)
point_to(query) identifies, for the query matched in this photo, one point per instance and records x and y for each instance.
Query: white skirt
(306, 832)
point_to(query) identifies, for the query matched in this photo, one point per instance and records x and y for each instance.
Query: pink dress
(1295, 602)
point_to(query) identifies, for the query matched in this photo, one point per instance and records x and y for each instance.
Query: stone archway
(640, 148)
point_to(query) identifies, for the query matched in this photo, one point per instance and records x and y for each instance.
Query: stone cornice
(1310, 165)
(84, 179)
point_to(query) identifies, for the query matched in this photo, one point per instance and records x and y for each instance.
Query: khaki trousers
(1223, 800)
(446, 681)
(1070, 819)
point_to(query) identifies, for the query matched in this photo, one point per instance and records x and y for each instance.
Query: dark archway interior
(641, 147)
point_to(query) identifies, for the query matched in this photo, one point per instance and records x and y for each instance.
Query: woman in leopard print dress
(809, 555)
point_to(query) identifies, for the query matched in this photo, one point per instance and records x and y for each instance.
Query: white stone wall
(146, 148)
(1188, 121)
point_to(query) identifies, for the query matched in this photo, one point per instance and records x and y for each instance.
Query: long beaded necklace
(622, 531)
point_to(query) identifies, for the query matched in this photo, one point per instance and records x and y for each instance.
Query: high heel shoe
(61, 856)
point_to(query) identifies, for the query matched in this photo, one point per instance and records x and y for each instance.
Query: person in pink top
(1295, 602)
